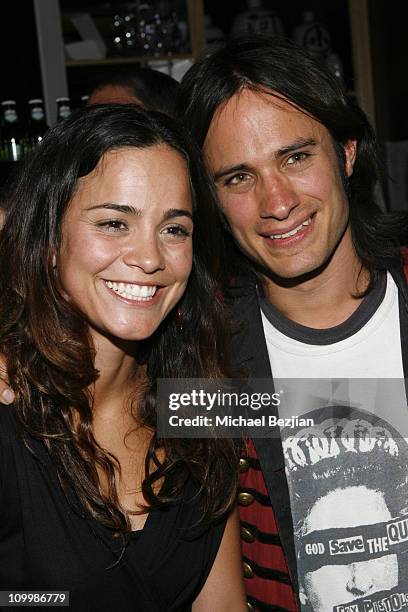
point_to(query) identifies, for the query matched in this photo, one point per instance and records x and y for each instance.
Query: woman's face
(126, 250)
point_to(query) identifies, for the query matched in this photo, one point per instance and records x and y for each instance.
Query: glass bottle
(12, 146)
(335, 65)
(313, 36)
(214, 36)
(63, 108)
(37, 125)
(257, 20)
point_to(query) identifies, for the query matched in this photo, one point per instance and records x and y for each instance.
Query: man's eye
(113, 225)
(237, 179)
(297, 158)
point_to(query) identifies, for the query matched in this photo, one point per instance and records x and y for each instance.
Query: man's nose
(277, 197)
(144, 252)
(359, 582)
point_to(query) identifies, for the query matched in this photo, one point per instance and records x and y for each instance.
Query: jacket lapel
(250, 357)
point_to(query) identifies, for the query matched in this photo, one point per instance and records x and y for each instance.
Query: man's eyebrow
(127, 209)
(300, 143)
(293, 146)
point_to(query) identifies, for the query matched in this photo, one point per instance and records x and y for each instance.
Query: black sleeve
(201, 540)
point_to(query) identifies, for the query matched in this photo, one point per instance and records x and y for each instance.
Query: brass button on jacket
(248, 571)
(245, 499)
(246, 535)
(243, 465)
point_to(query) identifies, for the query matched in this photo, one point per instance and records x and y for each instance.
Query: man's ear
(350, 151)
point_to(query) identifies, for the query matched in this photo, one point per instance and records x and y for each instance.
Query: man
(295, 166)
(150, 88)
(316, 282)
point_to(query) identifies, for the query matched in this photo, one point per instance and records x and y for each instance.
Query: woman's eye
(113, 225)
(176, 231)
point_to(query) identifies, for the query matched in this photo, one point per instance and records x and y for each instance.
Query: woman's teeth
(292, 232)
(133, 292)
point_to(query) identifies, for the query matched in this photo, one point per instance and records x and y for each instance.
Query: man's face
(279, 183)
(334, 585)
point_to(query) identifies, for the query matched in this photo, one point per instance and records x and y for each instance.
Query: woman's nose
(144, 253)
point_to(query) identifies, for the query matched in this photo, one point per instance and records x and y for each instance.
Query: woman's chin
(120, 335)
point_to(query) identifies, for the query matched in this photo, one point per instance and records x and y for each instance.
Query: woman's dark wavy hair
(260, 63)
(46, 341)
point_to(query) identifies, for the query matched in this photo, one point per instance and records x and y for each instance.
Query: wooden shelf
(137, 59)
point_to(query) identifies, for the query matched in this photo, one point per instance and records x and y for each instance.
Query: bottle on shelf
(84, 100)
(313, 36)
(37, 125)
(63, 108)
(147, 28)
(124, 40)
(174, 27)
(214, 36)
(335, 65)
(11, 143)
(257, 20)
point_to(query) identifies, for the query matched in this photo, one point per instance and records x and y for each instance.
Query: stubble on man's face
(279, 184)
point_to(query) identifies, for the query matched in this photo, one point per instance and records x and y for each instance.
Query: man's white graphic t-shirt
(348, 471)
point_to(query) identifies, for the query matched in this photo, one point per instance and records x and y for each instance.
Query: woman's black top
(46, 544)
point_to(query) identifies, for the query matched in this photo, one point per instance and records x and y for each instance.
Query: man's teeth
(132, 292)
(292, 232)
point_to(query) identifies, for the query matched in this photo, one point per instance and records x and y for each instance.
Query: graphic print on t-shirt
(348, 484)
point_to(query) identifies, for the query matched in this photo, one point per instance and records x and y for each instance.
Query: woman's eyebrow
(123, 208)
(177, 212)
(127, 209)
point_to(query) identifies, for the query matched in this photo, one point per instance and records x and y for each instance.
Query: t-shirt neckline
(309, 335)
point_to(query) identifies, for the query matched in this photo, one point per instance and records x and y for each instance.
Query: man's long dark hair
(287, 71)
(46, 340)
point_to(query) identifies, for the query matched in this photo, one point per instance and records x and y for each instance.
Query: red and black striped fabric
(267, 579)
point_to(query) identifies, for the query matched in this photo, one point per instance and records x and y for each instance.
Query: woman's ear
(54, 260)
(350, 151)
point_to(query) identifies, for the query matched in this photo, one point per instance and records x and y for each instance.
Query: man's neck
(327, 298)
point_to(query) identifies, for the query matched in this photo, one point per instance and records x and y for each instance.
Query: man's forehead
(257, 96)
(259, 119)
(254, 100)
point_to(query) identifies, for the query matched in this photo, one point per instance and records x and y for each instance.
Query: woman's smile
(132, 291)
(126, 251)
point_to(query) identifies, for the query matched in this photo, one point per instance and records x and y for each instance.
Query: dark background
(21, 78)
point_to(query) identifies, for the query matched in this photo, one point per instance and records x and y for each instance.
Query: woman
(100, 295)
